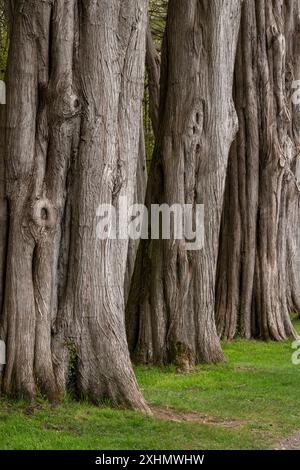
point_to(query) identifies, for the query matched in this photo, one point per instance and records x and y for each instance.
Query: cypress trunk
(170, 313)
(75, 83)
(253, 276)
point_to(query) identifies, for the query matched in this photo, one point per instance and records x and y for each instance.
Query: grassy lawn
(250, 402)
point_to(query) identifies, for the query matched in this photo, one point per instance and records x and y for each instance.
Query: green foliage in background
(157, 19)
(3, 41)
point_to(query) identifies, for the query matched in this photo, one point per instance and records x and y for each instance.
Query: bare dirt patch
(168, 414)
(246, 369)
(290, 443)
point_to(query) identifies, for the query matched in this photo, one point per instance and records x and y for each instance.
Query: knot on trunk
(44, 214)
(64, 103)
(195, 121)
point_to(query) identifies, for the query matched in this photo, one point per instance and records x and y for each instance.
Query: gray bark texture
(139, 198)
(153, 64)
(3, 204)
(170, 312)
(75, 86)
(292, 31)
(3, 210)
(256, 276)
(153, 70)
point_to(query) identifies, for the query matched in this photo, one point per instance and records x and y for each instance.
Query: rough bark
(170, 313)
(3, 201)
(3, 209)
(292, 236)
(153, 64)
(3, 205)
(75, 80)
(153, 70)
(139, 198)
(251, 290)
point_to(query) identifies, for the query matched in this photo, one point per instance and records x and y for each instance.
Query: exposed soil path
(290, 443)
(169, 414)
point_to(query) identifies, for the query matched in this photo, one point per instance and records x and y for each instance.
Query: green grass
(250, 402)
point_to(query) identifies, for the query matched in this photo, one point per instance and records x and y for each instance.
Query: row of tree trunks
(75, 85)
(252, 289)
(170, 312)
(73, 141)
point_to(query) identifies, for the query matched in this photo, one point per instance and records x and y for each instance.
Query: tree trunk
(75, 81)
(153, 70)
(293, 247)
(3, 204)
(139, 198)
(3, 209)
(170, 313)
(292, 28)
(153, 64)
(251, 291)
